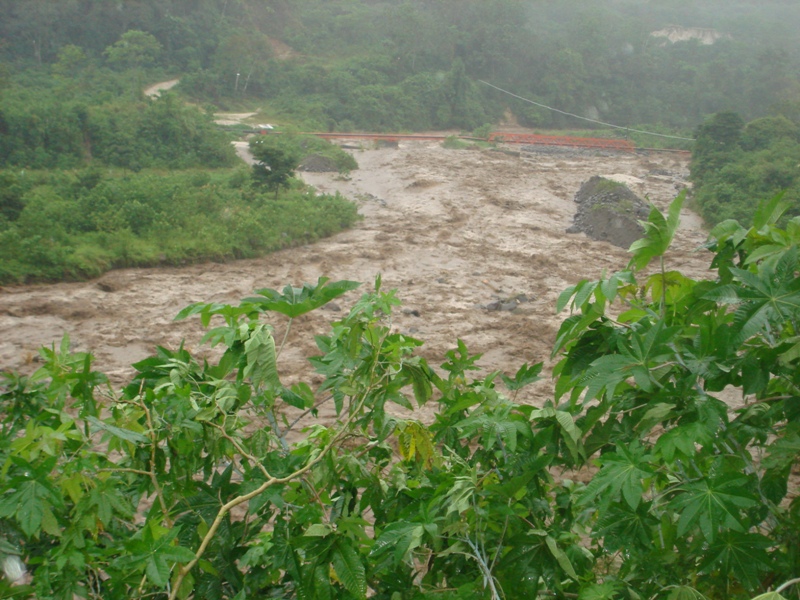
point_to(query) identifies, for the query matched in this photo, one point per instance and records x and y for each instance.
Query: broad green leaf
(763, 252)
(606, 373)
(565, 297)
(682, 440)
(714, 504)
(318, 530)
(401, 538)
(623, 472)
(28, 504)
(739, 556)
(561, 557)
(673, 286)
(658, 234)
(767, 297)
(123, 434)
(261, 358)
(654, 416)
(770, 211)
(573, 433)
(621, 528)
(294, 302)
(459, 497)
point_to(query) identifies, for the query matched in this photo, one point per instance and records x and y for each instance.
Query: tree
(134, 50)
(717, 141)
(70, 60)
(276, 164)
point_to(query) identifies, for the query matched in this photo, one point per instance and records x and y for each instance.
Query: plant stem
(153, 478)
(285, 337)
(663, 288)
(227, 507)
(789, 583)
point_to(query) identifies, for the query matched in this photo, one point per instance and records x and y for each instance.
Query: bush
(78, 225)
(195, 477)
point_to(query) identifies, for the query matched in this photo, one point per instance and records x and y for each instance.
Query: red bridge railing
(562, 140)
(508, 138)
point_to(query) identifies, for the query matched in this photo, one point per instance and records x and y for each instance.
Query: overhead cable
(664, 135)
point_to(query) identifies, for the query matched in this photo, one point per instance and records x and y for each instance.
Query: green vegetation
(43, 131)
(452, 142)
(194, 479)
(84, 114)
(634, 481)
(733, 163)
(275, 165)
(414, 65)
(301, 147)
(79, 224)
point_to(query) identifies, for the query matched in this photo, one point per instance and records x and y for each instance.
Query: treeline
(736, 164)
(413, 64)
(46, 132)
(78, 110)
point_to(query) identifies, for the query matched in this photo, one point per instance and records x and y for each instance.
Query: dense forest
(408, 64)
(734, 163)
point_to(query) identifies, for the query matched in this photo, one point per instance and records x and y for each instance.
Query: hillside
(411, 65)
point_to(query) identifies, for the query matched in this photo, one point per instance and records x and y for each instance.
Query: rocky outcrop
(609, 211)
(317, 163)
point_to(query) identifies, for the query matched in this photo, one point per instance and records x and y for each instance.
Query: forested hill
(416, 64)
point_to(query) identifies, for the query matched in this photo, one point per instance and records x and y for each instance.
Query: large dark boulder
(609, 211)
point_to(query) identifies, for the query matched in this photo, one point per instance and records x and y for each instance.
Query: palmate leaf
(714, 505)
(646, 348)
(31, 501)
(739, 556)
(580, 295)
(294, 302)
(524, 376)
(681, 441)
(771, 295)
(599, 591)
(622, 473)
(607, 372)
(153, 550)
(622, 527)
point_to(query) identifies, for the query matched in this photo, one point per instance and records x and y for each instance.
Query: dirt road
(453, 230)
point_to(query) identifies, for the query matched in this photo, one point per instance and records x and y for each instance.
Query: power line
(664, 135)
